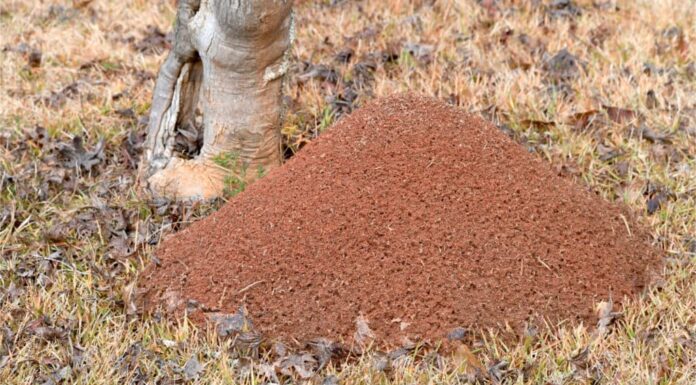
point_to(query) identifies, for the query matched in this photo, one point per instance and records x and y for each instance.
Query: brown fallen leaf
(192, 369)
(559, 9)
(653, 137)
(304, 365)
(580, 360)
(57, 99)
(583, 121)
(345, 55)
(363, 334)
(607, 153)
(154, 41)
(491, 6)
(320, 72)
(422, 52)
(34, 59)
(129, 299)
(463, 355)
(537, 125)
(562, 67)
(651, 101)
(655, 202)
(325, 350)
(498, 370)
(41, 329)
(229, 325)
(607, 317)
(457, 334)
(655, 195)
(620, 115)
(330, 380)
(74, 155)
(78, 4)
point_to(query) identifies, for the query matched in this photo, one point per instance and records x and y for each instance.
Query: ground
(604, 90)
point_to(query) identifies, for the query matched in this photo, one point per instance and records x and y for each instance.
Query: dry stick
(538, 258)
(222, 298)
(627, 227)
(250, 286)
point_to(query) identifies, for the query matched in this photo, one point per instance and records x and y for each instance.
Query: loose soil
(415, 215)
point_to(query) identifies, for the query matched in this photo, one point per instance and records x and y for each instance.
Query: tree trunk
(228, 60)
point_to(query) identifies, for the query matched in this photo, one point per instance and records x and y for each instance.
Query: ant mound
(414, 217)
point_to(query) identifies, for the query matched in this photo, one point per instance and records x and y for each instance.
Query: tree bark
(229, 58)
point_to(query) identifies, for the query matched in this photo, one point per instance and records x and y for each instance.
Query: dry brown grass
(73, 241)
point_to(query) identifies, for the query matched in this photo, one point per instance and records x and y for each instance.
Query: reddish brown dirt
(414, 214)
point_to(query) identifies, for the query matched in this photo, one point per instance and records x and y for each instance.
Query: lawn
(603, 90)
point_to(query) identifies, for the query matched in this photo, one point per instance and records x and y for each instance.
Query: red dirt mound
(419, 217)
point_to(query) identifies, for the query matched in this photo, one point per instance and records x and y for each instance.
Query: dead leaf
(391, 54)
(154, 42)
(85, 224)
(132, 148)
(363, 73)
(227, 325)
(563, 9)
(651, 101)
(192, 369)
(594, 119)
(607, 317)
(607, 153)
(402, 352)
(58, 376)
(498, 371)
(622, 169)
(11, 294)
(363, 334)
(34, 58)
(324, 351)
(304, 365)
(537, 125)
(40, 329)
(580, 360)
(126, 113)
(33, 55)
(505, 129)
(366, 33)
(655, 202)
(75, 156)
(457, 334)
(583, 371)
(345, 56)
(599, 35)
(381, 363)
(320, 72)
(57, 99)
(330, 380)
(562, 67)
(463, 355)
(620, 115)
(188, 140)
(421, 52)
(129, 299)
(654, 137)
(584, 121)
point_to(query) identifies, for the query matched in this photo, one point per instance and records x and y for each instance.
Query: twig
(250, 286)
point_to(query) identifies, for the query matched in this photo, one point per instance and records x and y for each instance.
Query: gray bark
(229, 58)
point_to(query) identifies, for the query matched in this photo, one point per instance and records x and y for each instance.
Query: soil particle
(419, 218)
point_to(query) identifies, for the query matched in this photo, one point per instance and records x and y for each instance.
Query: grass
(73, 239)
(236, 173)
